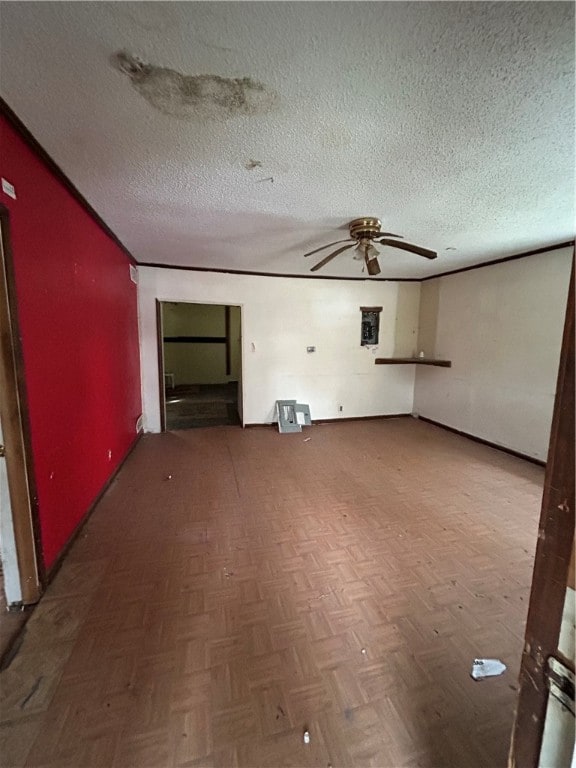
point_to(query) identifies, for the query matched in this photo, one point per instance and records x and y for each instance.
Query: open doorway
(200, 365)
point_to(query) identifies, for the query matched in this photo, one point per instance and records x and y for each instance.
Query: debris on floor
(364, 651)
(168, 477)
(306, 737)
(321, 596)
(487, 668)
(292, 416)
(307, 439)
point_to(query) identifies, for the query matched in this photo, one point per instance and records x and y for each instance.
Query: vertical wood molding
(16, 429)
(551, 567)
(228, 341)
(160, 347)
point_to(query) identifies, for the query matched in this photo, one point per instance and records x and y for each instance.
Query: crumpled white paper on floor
(487, 668)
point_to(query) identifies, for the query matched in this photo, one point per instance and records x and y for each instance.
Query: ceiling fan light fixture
(365, 250)
(371, 252)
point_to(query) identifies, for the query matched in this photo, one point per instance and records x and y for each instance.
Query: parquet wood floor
(341, 585)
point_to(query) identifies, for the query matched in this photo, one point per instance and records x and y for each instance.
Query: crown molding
(523, 255)
(38, 149)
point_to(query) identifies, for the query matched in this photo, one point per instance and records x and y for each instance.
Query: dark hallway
(202, 405)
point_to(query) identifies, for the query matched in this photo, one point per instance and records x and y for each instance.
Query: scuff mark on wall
(201, 97)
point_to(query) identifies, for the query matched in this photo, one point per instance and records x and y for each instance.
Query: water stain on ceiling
(200, 97)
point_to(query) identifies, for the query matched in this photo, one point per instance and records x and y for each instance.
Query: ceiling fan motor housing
(366, 228)
(363, 233)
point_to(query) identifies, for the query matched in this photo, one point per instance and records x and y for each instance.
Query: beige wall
(502, 328)
(280, 318)
(200, 363)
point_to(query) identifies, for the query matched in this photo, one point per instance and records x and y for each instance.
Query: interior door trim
(16, 430)
(160, 347)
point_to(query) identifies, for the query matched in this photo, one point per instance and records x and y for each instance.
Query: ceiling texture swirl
(242, 135)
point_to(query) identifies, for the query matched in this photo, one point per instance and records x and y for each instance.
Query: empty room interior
(287, 384)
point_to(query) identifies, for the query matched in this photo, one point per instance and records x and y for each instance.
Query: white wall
(280, 318)
(502, 328)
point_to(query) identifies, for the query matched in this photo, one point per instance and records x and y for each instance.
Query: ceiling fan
(363, 233)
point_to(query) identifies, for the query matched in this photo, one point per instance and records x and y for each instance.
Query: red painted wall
(77, 309)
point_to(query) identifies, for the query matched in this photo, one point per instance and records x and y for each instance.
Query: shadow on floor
(202, 405)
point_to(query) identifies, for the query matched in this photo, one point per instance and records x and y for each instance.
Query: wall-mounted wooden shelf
(411, 360)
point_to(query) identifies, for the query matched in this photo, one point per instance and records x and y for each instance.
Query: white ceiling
(452, 122)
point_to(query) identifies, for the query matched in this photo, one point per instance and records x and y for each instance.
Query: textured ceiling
(452, 122)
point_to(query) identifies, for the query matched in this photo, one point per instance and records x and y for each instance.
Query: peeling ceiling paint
(198, 97)
(451, 122)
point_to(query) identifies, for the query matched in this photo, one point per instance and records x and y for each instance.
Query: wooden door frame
(551, 565)
(16, 430)
(161, 379)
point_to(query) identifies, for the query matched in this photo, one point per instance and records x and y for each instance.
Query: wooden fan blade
(373, 267)
(311, 253)
(409, 247)
(330, 257)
